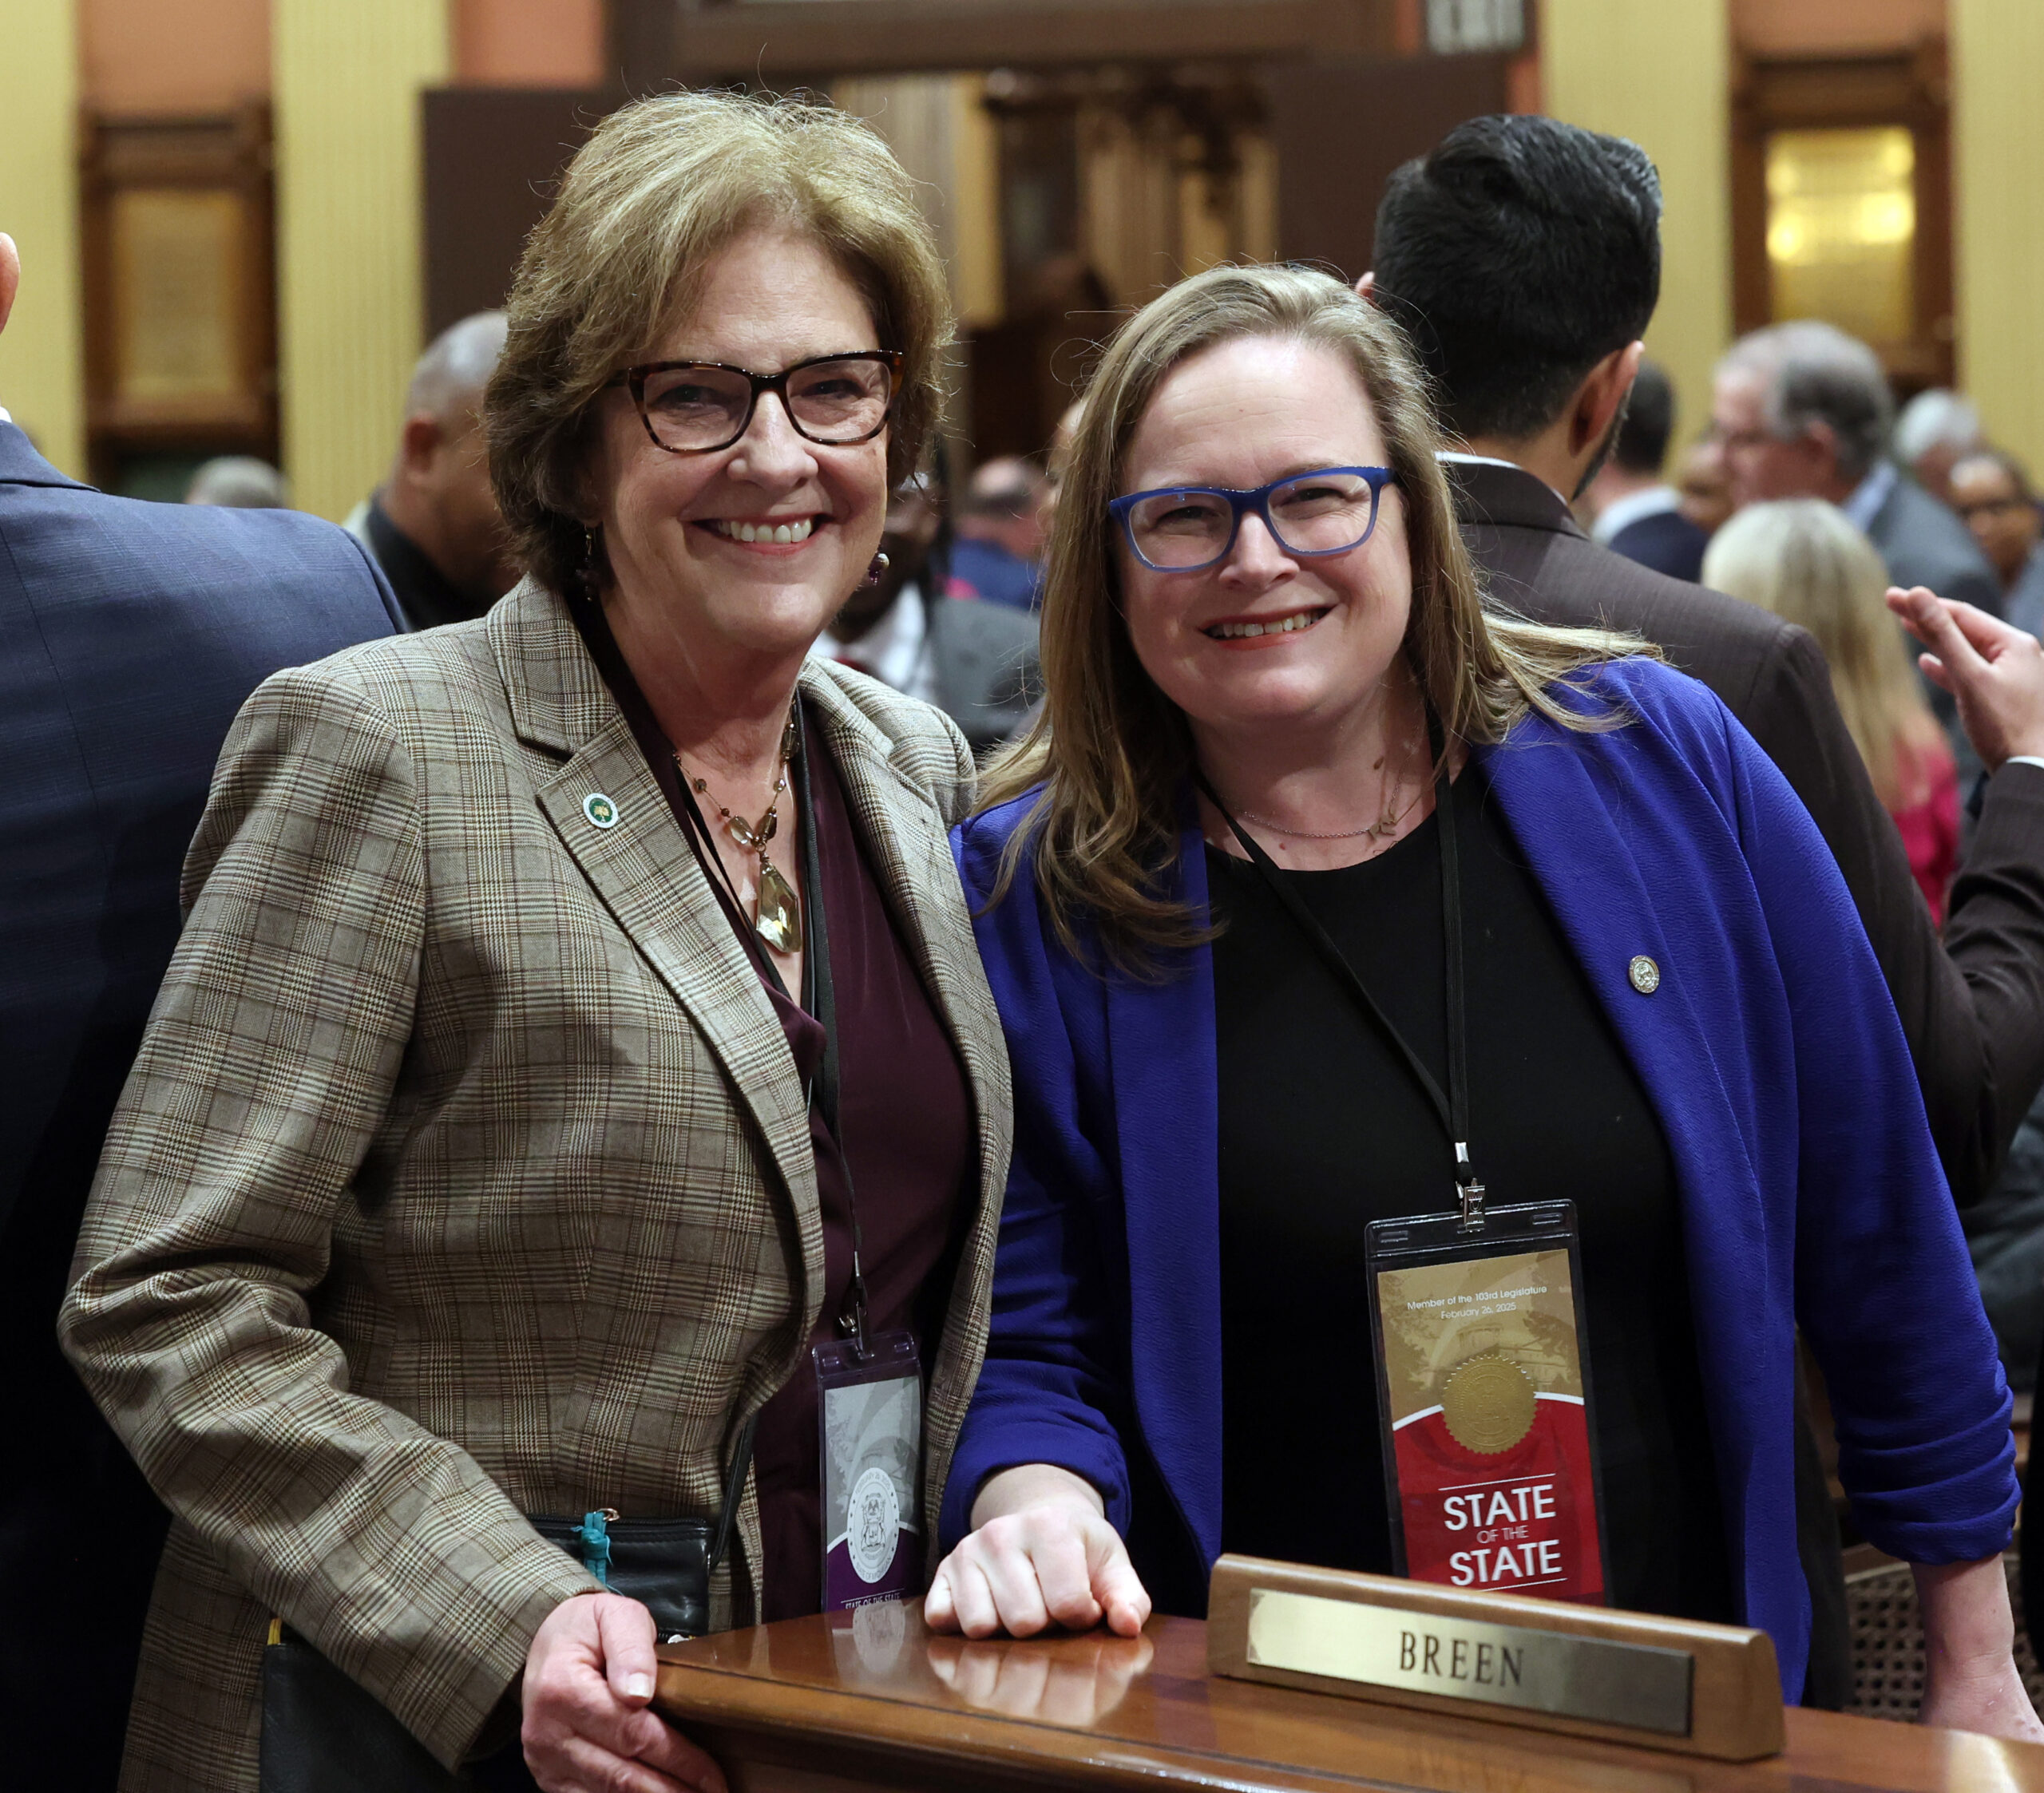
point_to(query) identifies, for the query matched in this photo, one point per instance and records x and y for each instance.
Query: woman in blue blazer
(1261, 635)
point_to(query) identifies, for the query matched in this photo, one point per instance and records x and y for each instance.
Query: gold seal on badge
(1487, 1403)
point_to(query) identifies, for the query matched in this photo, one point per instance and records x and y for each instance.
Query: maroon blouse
(904, 1112)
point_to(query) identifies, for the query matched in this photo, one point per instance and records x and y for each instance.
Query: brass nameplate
(1680, 1685)
(1638, 1685)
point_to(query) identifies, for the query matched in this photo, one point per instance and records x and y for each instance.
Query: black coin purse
(322, 1732)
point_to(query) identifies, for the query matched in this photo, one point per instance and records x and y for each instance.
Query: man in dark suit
(1524, 255)
(129, 634)
(1803, 411)
(433, 525)
(1637, 513)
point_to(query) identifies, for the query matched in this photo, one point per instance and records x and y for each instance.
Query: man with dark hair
(1524, 255)
(1637, 513)
(977, 661)
(1569, 223)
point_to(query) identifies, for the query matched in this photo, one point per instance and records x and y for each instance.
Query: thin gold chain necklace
(777, 912)
(1385, 825)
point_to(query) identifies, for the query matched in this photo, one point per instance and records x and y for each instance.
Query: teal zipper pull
(593, 1535)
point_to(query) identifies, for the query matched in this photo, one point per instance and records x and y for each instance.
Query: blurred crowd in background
(1807, 492)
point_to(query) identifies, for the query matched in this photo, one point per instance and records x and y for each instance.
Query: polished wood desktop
(874, 1700)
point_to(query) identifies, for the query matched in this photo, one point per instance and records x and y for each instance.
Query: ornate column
(349, 200)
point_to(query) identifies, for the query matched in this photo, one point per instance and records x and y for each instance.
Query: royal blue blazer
(1810, 1191)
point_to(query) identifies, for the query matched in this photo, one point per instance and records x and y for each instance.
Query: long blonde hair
(1803, 560)
(1111, 751)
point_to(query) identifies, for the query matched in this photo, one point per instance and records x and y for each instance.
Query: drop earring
(878, 565)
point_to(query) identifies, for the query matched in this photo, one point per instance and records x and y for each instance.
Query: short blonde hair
(1805, 560)
(647, 204)
(1111, 751)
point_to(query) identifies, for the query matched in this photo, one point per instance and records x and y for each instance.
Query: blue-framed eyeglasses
(1185, 529)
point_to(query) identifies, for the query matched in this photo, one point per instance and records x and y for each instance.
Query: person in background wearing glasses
(975, 662)
(1267, 663)
(1994, 498)
(474, 1166)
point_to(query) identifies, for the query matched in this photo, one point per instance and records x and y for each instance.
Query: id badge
(870, 1406)
(1490, 1458)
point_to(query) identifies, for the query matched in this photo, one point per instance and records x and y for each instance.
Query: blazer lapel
(1161, 1053)
(609, 812)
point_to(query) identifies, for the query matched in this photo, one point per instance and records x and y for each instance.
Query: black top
(1324, 1129)
(425, 595)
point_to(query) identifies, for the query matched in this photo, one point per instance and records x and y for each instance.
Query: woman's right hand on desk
(1041, 1552)
(588, 1695)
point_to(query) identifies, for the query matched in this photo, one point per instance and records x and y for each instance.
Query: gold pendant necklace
(777, 911)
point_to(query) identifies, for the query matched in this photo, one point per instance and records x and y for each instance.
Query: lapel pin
(1644, 974)
(603, 813)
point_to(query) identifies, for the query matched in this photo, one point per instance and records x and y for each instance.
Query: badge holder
(868, 1385)
(870, 1406)
(1490, 1457)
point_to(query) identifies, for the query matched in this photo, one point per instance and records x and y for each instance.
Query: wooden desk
(816, 1706)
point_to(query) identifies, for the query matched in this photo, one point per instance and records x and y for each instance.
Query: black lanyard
(1453, 1107)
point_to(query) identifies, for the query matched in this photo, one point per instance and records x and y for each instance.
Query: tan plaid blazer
(464, 1173)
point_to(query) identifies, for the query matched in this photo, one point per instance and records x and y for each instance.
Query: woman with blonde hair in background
(1805, 560)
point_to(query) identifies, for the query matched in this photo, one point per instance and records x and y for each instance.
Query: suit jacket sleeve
(1884, 1288)
(261, 1098)
(1968, 1004)
(1049, 1392)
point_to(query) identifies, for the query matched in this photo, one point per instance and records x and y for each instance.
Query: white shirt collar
(1460, 460)
(1869, 494)
(892, 650)
(6, 415)
(1634, 507)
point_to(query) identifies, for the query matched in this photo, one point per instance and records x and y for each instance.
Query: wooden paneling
(180, 292)
(1911, 90)
(492, 157)
(1340, 127)
(789, 39)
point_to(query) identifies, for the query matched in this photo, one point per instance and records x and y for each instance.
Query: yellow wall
(1997, 216)
(346, 83)
(1658, 73)
(42, 375)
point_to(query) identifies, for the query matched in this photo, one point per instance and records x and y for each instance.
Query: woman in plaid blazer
(467, 1172)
